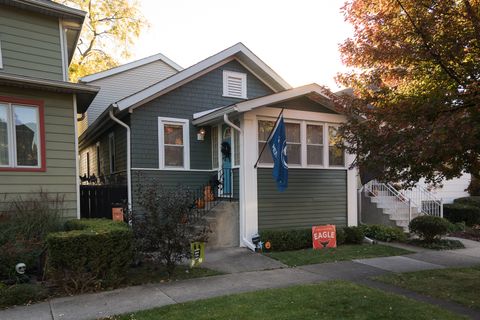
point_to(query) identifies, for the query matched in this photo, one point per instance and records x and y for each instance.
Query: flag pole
(268, 139)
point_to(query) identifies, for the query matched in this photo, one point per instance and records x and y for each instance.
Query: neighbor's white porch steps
(400, 206)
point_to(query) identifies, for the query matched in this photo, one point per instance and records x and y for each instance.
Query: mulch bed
(473, 234)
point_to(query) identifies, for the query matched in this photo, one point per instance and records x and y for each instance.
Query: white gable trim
(131, 65)
(248, 105)
(192, 72)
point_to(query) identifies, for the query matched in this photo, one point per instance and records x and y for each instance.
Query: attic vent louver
(234, 84)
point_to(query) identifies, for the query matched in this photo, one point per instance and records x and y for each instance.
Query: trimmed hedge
(459, 212)
(91, 254)
(296, 239)
(384, 233)
(429, 228)
(472, 201)
(354, 235)
(287, 239)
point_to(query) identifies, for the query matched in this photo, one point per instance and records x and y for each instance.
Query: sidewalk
(131, 299)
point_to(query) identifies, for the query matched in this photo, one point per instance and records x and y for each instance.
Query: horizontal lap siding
(203, 93)
(60, 176)
(30, 44)
(313, 197)
(167, 179)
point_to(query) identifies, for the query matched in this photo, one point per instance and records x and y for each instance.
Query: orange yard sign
(324, 237)
(117, 214)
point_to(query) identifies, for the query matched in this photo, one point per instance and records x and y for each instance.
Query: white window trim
(111, 136)
(12, 137)
(1, 56)
(186, 142)
(243, 76)
(303, 139)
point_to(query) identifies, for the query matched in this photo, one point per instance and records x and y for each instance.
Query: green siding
(313, 197)
(30, 44)
(60, 176)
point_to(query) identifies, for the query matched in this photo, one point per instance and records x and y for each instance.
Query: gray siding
(30, 44)
(118, 86)
(201, 94)
(60, 174)
(167, 179)
(313, 197)
(236, 183)
(303, 104)
(120, 153)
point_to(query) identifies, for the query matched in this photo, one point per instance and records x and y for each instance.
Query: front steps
(223, 221)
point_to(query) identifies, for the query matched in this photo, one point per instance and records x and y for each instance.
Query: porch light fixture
(201, 134)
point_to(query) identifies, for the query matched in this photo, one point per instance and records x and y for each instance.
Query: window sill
(20, 169)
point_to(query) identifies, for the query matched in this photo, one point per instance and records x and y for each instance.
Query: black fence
(96, 201)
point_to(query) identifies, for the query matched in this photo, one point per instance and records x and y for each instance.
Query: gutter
(243, 238)
(129, 163)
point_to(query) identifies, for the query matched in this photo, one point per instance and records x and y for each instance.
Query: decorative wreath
(226, 150)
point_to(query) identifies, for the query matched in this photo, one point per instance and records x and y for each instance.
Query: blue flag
(278, 147)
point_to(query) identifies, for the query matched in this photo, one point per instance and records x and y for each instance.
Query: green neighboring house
(38, 106)
(212, 120)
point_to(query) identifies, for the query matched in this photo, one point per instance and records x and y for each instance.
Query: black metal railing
(219, 188)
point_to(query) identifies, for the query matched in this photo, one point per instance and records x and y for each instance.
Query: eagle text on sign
(324, 237)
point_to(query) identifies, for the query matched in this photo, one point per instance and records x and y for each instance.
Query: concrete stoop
(223, 221)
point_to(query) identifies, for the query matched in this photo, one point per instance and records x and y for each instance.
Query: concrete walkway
(248, 274)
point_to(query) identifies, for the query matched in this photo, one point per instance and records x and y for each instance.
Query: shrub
(353, 235)
(384, 233)
(340, 236)
(23, 229)
(91, 254)
(471, 201)
(288, 239)
(168, 224)
(459, 212)
(456, 227)
(429, 228)
(21, 294)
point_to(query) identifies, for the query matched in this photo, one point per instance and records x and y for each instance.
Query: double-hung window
(174, 138)
(309, 144)
(21, 136)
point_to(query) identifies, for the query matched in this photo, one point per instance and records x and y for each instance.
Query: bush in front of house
(23, 293)
(91, 254)
(429, 228)
(460, 212)
(471, 201)
(24, 225)
(354, 235)
(294, 239)
(384, 233)
(287, 239)
(166, 224)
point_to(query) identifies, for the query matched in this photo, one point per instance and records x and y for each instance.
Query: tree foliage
(415, 71)
(109, 30)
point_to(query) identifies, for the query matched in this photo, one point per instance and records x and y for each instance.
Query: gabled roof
(131, 65)
(312, 91)
(238, 51)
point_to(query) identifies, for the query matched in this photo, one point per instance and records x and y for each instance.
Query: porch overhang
(312, 91)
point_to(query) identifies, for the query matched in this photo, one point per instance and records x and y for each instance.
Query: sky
(298, 39)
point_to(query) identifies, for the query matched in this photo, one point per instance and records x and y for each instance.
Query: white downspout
(243, 239)
(129, 165)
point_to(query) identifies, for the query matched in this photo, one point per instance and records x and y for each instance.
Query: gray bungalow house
(212, 119)
(38, 106)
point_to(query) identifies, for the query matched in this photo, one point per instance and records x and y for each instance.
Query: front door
(226, 150)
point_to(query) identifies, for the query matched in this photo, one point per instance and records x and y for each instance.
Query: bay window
(309, 144)
(21, 137)
(173, 143)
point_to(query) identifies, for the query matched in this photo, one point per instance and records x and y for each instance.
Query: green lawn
(341, 253)
(328, 300)
(461, 285)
